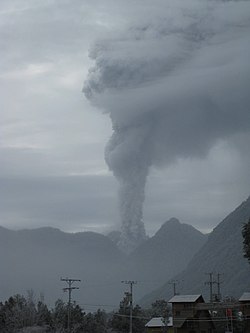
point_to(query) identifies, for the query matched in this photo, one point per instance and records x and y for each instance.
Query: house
(157, 325)
(189, 316)
(245, 308)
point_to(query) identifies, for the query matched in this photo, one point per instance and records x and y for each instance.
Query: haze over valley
(37, 259)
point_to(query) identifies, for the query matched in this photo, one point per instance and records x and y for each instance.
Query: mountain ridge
(37, 259)
(222, 253)
(30, 257)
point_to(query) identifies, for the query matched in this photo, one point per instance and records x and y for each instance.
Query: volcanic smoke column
(127, 156)
(174, 84)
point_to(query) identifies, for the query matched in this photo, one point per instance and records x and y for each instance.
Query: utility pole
(69, 290)
(218, 282)
(210, 283)
(131, 283)
(174, 283)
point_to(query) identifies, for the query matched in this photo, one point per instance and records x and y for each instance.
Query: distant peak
(174, 226)
(171, 223)
(173, 220)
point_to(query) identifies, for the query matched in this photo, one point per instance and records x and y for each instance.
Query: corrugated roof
(245, 297)
(184, 298)
(158, 322)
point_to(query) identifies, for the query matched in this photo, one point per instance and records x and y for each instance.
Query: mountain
(222, 253)
(164, 255)
(37, 259)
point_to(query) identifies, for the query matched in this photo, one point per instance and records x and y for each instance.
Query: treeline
(24, 314)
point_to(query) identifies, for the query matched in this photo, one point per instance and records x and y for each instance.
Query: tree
(77, 318)
(60, 315)
(31, 312)
(13, 314)
(120, 320)
(100, 318)
(43, 314)
(20, 314)
(160, 308)
(246, 240)
(95, 322)
(139, 320)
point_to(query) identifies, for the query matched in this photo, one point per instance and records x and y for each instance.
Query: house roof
(245, 297)
(184, 298)
(158, 322)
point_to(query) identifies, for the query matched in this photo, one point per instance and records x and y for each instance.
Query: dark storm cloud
(174, 84)
(149, 54)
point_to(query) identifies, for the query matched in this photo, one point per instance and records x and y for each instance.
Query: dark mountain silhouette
(222, 253)
(164, 255)
(37, 259)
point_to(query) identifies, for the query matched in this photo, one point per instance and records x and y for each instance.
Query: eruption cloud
(174, 84)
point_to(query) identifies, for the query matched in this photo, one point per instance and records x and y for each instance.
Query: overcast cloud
(186, 61)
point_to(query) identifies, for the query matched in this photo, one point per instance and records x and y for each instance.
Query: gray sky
(52, 139)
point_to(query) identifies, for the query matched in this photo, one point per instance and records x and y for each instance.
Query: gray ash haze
(175, 84)
(174, 79)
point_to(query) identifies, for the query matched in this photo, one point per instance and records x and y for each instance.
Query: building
(245, 308)
(188, 316)
(157, 325)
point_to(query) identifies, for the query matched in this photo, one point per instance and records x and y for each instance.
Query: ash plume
(173, 83)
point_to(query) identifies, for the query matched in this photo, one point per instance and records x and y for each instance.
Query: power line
(219, 282)
(96, 305)
(130, 297)
(127, 316)
(214, 296)
(174, 283)
(69, 290)
(210, 283)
